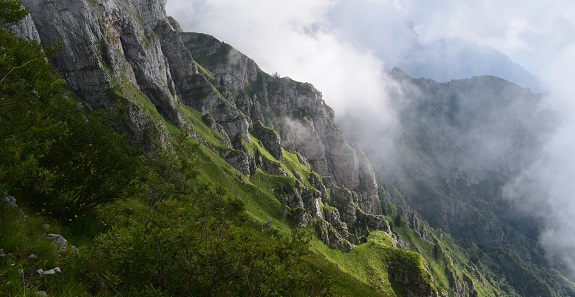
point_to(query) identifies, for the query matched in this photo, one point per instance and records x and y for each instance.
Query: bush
(199, 246)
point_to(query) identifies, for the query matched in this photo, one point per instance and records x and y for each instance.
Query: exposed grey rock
(369, 200)
(345, 164)
(416, 224)
(2, 254)
(304, 203)
(54, 271)
(332, 216)
(106, 45)
(269, 138)
(182, 65)
(151, 11)
(301, 216)
(297, 112)
(346, 202)
(385, 199)
(234, 70)
(239, 160)
(331, 237)
(312, 201)
(369, 222)
(269, 166)
(120, 49)
(32, 257)
(26, 29)
(61, 243)
(10, 201)
(41, 294)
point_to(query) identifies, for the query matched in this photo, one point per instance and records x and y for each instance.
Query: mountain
(109, 51)
(444, 60)
(220, 179)
(458, 145)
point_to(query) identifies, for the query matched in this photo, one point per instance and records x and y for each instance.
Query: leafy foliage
(196, 246)
(11, 11)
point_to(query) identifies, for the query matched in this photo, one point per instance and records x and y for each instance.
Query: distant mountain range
(445, 60)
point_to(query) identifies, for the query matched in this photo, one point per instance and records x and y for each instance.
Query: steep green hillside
(173, 175)
(175, 220)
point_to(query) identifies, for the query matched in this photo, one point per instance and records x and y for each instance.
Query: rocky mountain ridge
(114, 51)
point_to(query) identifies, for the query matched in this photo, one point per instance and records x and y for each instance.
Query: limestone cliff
(130, 53)
(304, 123)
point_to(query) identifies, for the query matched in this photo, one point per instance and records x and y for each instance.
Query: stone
(105, 47)
(26, 29)
(61, 243)
(32, 257)
(296, 119)
(113, 45)
(10, 201)
(54, 271)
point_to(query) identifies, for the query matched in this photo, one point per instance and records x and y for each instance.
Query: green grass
(125, 89)
(451, 259)
(212, 137)
(292, 163)
(368, 270)
(20, 237)
(342, 282)
(257, 145)
(260, 205)
(371, 262)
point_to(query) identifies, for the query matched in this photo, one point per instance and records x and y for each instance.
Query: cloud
(546, 187)
(525, 31)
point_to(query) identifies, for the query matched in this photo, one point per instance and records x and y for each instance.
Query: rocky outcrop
(105, 45)
(26, 29)
(295, 110)
(61, 243)
(269, 138)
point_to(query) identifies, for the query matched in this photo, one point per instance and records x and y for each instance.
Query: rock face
(295, 110)
(128, 52)
(26, 29)
(107, 45)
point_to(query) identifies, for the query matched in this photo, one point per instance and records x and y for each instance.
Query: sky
(346, 47)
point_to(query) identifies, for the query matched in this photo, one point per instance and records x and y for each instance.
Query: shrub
(199, 246)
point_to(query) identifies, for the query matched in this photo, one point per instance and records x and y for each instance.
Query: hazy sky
(345, 47)
(325, 41)
(529, 32)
